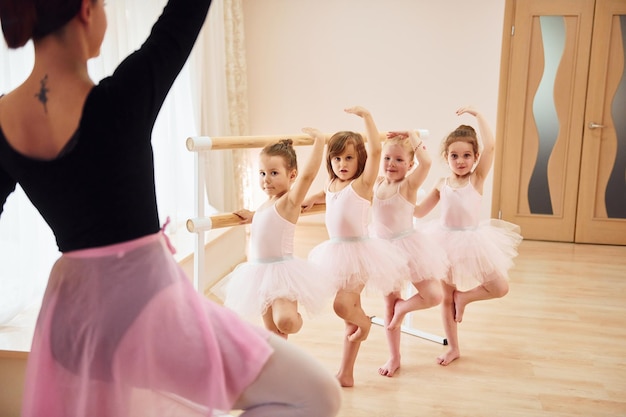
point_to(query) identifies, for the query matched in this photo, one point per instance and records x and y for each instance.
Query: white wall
(411, 62)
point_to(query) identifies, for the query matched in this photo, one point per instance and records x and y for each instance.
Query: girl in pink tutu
(350, 257)
(273, 283)
(121, 331)
(480, 253)
(395, 195)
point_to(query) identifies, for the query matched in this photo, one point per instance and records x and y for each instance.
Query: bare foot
(390, 368)
(459, 307)
(448, 357)
(361, 332)
(398, 315)
(345, 381)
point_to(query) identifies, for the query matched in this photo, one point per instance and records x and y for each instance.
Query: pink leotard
(393, 220)
(273, 272)
(351, 256)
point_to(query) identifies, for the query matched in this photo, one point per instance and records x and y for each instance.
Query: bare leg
(291, 384)
(286, 316)
(428, 295)
(450, 326)
(345, 375)
(494, 288)
(347, 305)
(393, 336)
(268, 321)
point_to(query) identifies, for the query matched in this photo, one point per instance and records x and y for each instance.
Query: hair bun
(465, 130)
(18, 18)
(23, 20)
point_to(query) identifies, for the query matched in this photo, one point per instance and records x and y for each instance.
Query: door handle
(593, 125)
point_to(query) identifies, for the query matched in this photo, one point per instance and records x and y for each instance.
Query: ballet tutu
(477, 255)
(372, 263)
(122, 332)
(426, 260)
(252, 286)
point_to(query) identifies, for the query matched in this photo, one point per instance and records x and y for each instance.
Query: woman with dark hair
(121, 331)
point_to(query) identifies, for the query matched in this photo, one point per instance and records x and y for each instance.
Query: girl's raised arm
(416, 178)
(305, 177)
(488, 141)
(374, 147)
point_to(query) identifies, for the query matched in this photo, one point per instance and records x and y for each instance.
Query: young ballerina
(395, 195)
(121, 330)
(273, 282)
(350, 256)
(480, 253)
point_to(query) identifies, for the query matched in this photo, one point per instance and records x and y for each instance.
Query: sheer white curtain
(27, 247)
(219, 69)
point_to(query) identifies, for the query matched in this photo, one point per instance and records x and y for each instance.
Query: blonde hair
(404, 142)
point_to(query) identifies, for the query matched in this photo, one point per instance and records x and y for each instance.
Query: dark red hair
(23, 20)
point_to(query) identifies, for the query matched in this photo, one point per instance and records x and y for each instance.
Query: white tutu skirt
(253, 286)
(370, 262)
(478, 255)
(426, 259)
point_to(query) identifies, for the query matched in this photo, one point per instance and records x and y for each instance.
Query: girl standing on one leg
(480, 254)
(395, 195)
(272, 283)
(350, 256)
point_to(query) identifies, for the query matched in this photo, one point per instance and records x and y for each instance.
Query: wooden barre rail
(205, 143)
(230, 219)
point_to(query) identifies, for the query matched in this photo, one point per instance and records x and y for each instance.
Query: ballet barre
(220, 220)
(201, 223)
(207, 143)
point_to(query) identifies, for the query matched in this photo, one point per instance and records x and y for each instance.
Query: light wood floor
(554, 346)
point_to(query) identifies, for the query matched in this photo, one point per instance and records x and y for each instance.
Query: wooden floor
(554, 346)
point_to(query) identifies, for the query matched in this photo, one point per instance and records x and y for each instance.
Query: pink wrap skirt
(122, 332)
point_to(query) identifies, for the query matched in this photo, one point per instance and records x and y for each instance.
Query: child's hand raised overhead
(314, 133)
(358, 110)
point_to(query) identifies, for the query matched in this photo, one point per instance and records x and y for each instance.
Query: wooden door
(602, 192)
(544, 154)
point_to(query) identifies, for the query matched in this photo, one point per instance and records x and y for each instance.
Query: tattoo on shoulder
(42, 95)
